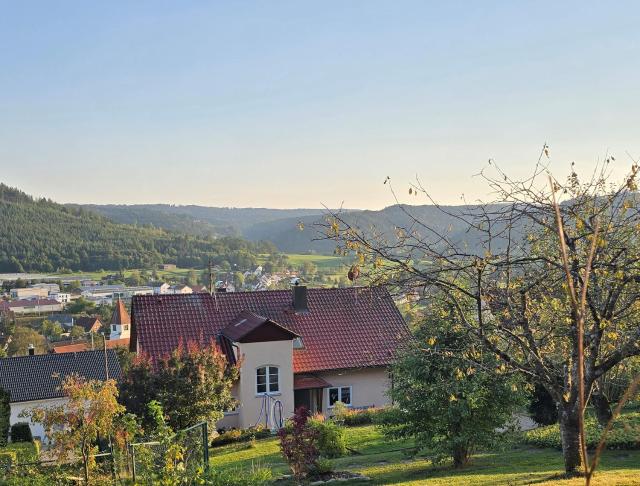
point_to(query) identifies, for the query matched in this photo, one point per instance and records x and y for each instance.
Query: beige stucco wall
(368, 386)
(36, 428)
(254, 356)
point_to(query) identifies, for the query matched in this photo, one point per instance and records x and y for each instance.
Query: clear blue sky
(294, 104)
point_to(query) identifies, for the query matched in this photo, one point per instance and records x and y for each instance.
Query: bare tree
(508, 266)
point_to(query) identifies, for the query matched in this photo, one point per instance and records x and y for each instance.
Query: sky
(301, 103)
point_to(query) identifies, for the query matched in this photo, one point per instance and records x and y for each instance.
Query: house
(51, 288)
(160, 288)
(180, 289)
(34, 380)
(199, 289)
(89, 323)
(31, 306)
(77, 346)
(167, 266)
(300, 347)
(120, 322)
(62, 297)
(29, 293)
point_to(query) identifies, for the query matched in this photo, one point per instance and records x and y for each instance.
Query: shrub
(240, 435)
(21, 432)
(625, 434)
(5, 414)
(7, 458)
(298, 443)
(354, 418)
(322, 467)
(24, 451)
(331, 438)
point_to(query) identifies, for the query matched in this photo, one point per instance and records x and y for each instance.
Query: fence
(187, 449)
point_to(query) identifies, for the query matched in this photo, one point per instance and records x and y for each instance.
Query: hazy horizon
(295, 105)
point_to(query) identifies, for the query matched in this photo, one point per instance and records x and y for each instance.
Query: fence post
(133, 462)
(205, 445)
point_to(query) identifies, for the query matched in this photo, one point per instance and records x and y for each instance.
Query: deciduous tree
(503, 272)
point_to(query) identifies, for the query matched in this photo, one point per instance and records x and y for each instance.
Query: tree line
(43, 236)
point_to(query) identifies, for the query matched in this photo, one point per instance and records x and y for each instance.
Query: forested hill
(40, 235)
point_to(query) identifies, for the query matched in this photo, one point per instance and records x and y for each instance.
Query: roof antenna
(212, 287)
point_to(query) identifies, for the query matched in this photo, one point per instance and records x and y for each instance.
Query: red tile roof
(120, 314)
(305, 382)
(344, 328)
(86, 346)
(8, 305)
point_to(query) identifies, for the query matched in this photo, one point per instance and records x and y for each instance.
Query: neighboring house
(199, 289)
(167, 266)
(61, 297)
(89, 323)
(77, 346)
(29, 293)
(51, 288)
(305, 347)
(65, 320)
(180, 289)
(30, 306)
(34, 380)
(160, 288)
(120, 322)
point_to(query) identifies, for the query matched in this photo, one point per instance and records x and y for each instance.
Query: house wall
(231, 418)
(36, 429)
(256, 355)
(368, 386)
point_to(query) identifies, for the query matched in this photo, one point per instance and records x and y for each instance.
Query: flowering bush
(298, 443)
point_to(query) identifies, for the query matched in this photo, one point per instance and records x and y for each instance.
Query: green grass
(384, 462)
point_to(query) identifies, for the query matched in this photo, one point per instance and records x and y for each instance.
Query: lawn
(385, 462)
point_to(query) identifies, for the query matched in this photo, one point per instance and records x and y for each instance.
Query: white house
(160, 288)
(31, 306)
(304, 347)
(34, 380)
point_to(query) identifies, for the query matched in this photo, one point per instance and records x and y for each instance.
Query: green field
(386, 463)
(324, 262)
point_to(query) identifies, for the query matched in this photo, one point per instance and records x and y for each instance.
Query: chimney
(32, 350)
(300, 304)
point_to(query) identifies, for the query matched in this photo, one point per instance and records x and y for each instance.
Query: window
(113, 327)
(126, 327)
(340, 394)
(268, 379)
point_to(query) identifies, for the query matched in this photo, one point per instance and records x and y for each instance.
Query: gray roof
(39, 377)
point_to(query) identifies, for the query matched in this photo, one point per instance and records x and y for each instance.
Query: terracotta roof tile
(344, 328)
(120, 314)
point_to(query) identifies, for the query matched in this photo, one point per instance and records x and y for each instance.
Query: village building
(29, 293)
(300, 347)
(89, 323)
(120, 322)
(85, 345)
(35, 380)
(31, 306)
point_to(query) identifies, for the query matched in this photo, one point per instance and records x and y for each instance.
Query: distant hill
(41, 235)
(279, 226)
(196, 220)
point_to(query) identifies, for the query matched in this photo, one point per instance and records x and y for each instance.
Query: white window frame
(339, 388)
(267, 380)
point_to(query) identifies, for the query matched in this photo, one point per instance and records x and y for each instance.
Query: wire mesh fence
(186, 452)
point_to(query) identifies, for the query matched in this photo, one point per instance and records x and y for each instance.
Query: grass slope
(386, 464)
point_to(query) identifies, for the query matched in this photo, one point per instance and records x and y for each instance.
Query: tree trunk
(570, 435)
(602, 407)
(460, 456)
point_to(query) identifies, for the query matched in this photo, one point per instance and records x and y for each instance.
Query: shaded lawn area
(384, 463)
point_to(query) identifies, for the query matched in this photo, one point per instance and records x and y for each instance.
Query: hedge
(625, 434)
(21, 432)
(240, 435)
